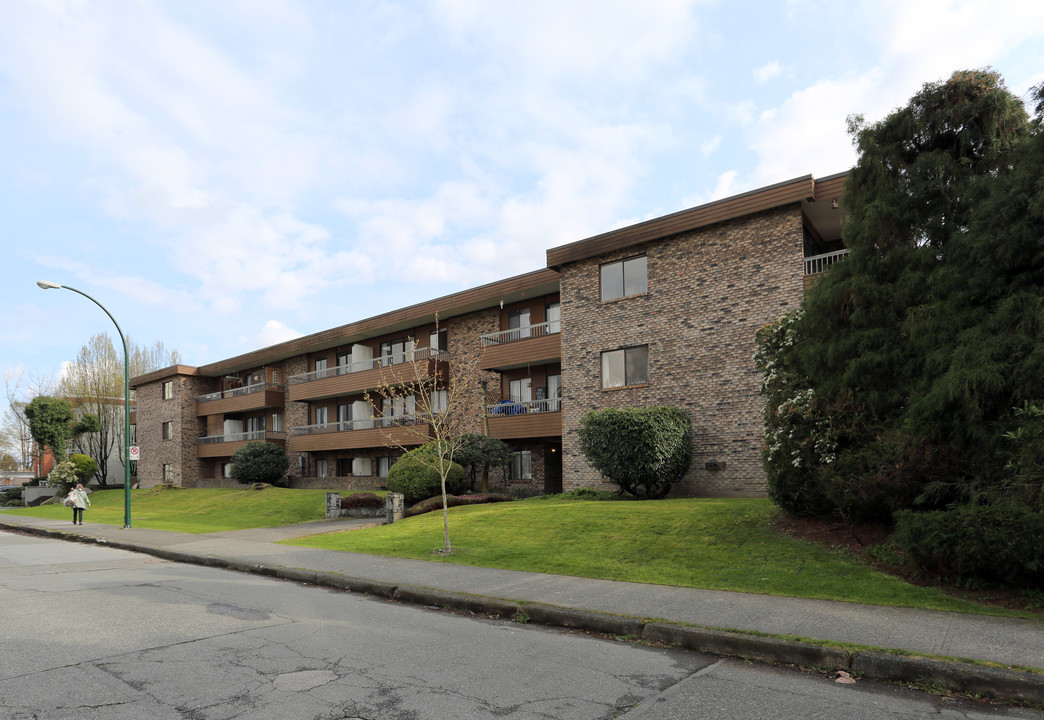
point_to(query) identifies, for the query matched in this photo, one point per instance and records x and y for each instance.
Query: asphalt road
(93, 633)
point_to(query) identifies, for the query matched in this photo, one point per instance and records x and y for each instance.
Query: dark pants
(77, 515)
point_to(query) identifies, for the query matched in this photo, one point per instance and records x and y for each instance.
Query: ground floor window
(226, 470)
(384, 465)
(344, 467)
(321, 467)
(522, 465)
(168, 473)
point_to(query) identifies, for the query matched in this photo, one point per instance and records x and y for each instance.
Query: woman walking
(80, 501)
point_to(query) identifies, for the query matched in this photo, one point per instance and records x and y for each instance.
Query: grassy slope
(201, 510)
(701, 543)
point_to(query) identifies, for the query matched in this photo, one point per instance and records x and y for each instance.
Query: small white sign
(135, 454)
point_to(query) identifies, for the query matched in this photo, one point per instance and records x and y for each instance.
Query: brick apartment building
(659, 313)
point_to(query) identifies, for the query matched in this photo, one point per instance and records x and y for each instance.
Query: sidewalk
(706, 620)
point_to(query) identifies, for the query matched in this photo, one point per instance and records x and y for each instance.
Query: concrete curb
(1002, 684)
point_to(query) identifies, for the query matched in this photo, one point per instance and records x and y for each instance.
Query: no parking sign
(134, 453)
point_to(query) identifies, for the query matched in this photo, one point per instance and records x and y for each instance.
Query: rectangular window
(553, 317)
(439, 401)
(344, 467)
(168, 431)
(168, 473)
(255, 425)
(521, 390)
(168, 390)
(226, 470)
(320, 416)
(554, 393)
(321, 466)
(519, 320)
(344, 360)
(625, 278)
(397, 351)
(629, 366)
(384, 465)
(320, 368)
(522, 465)
(277, 422)
(437, 340)
(344, 417)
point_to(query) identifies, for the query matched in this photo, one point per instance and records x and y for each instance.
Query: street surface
(93, 633)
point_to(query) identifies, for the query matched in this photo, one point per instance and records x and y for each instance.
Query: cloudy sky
(227, 174)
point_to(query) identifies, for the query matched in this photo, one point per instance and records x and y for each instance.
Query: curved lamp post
(126, 397)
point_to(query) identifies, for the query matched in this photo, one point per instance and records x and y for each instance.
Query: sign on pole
(135, 454)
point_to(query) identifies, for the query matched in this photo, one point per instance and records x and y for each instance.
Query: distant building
(659, 313)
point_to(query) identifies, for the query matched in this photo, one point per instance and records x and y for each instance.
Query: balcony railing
(523, 407)
(363, 365)
(239, 437)
(818, 263)
(236, 392)
(364, 424)
(522, 333)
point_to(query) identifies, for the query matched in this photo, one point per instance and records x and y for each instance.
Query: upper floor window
(397, 351)
(625, 278)
(627, 366)
(168, 389)
(321, 416)
(437, 340)
(168, 430)
(553, 315)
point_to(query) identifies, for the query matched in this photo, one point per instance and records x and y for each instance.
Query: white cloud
(272, 332)
(767, 71)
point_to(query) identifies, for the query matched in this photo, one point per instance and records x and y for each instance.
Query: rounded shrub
(417, 477)
(84, 465)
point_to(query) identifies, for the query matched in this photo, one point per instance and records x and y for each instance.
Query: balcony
(241, 399)
(509, 420)
(818, 263)
(517, 347)
(355, 434)
(358, 377)
(211, 446)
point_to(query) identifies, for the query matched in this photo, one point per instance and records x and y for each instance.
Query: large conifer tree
(914, 352)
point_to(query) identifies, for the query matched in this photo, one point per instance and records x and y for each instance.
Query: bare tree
(94, 385)
(421, 400)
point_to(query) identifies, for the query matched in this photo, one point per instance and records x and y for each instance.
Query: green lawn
(198, 510)
(721, 544)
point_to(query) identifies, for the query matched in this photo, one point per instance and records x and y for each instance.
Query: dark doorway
(552, 468)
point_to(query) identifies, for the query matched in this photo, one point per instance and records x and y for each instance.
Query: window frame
(627, 381)
(168, 390)
(623, 266)
(523, 459)
(167, 430)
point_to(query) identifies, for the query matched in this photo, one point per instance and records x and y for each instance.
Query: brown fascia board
(832, 186)
(163, 374)
(748, 203)
(538, 282)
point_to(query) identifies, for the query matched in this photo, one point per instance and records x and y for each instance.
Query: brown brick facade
(708, 293)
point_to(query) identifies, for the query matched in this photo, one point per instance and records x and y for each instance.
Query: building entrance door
(552, 468)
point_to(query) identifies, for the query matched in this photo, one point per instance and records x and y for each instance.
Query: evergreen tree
(916, 350)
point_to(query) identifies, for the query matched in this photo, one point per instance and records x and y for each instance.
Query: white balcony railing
(236, 392)
(383, 361)
(522, 333)
(239, 437)
(364, 424)
(522, 407)
(818, 263)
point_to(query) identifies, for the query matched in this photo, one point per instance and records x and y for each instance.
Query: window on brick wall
(168, 431)
(344, 467)
(168, 473)
(168, 390)
(522, 465)
(625, 278)
(627, 366)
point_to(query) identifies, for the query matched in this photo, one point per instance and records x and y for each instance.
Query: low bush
(435, 503)
(415, 477)
(585, 493)
(361, 500)
(1003, 540)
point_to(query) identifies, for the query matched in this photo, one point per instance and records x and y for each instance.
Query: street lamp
(45, 285)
